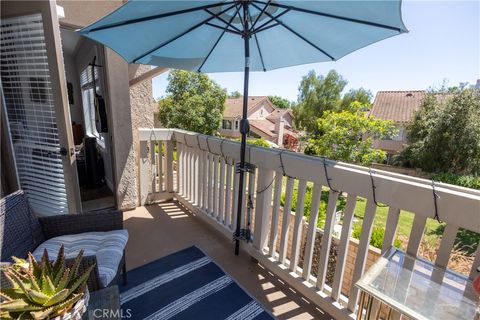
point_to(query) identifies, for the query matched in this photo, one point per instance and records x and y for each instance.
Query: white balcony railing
(204, 180)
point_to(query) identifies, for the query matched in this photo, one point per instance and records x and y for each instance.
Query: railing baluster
(209, 184)
(416, 234)
(193, 176)
(180, 174)
(262, 208)
(187, 172)
(221, 196)
(205, 182)
(287, 209)
(275, 213)
(228, 197)
(179, 167)
(235, 199)
(446, 245)
(476, 264)
(327, 238)
(297, 227)
(159, 161)
(250, 198)
(312, 231)
(153, 168)
(196, 169)
(391, 228)
(144, 171)
(342, 250)
(168, 166)
(200, 185)
(215, 187)
(362, 252)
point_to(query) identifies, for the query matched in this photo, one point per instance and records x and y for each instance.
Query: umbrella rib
(262, 27)
(182, 34)
(219, 38)
(256, 41)
(333, 16)
(298, 35)
(222, 28)
(157, 16)
(228, 24)
(260, 52)
(266, 28)
(260, 14)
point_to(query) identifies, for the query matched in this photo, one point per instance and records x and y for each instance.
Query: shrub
(308, 204)
(257, 142)
(468, 181)
(378, 234)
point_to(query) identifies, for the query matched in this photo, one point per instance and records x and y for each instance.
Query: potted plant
(45, 289)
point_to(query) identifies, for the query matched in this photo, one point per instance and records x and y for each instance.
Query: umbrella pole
(244, 129)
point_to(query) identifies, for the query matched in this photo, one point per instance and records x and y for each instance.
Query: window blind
(31, 115)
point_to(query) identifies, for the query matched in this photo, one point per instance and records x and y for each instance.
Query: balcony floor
(158, 230)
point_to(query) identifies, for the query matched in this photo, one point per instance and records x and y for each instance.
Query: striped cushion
(106, 246)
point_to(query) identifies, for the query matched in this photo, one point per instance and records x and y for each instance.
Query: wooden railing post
(262, 208)
(145, 181)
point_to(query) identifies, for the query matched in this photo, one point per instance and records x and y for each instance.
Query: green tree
(280, 102)
(193, 102)
(348, 135)
(361, 95)
(317, 94)
(235, 94)
(444, 135)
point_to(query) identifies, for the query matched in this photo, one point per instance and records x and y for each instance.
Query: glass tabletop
(417, 288)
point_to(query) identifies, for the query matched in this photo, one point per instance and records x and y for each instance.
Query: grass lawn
(404, 222)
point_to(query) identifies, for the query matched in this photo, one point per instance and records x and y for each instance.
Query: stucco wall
(85, 12)
(125, 166)
(142, 110)
(260, 112)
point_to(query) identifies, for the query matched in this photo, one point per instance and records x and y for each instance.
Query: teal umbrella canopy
(244, 35)
(207, 36)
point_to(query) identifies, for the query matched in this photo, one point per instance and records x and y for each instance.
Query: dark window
(227, 124)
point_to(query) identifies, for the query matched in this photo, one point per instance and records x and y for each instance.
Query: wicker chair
(22, 232)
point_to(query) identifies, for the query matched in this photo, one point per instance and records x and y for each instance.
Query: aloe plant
(42, 290)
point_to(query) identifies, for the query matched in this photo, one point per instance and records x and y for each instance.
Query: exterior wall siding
(142, 111)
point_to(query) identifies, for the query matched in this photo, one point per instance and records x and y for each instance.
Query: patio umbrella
(244, 35)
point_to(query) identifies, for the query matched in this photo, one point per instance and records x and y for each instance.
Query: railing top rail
(397, 190)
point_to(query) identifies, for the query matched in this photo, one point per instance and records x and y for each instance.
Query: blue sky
(443, 43)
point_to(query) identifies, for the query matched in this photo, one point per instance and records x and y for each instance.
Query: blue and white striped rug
(187, 285)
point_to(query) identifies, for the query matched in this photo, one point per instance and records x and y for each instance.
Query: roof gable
(397, 106)
(234, 106)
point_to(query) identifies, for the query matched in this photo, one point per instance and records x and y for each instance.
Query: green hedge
(256, 142)
(378, 234)
(468, 181)
(322, 211)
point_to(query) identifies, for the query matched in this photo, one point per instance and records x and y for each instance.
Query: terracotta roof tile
(233, 106)
(268, 128)
(277, 113)
(397, 106)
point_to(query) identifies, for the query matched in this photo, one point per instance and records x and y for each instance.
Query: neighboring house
(68, 153)
(399, 107)
(266, 121)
